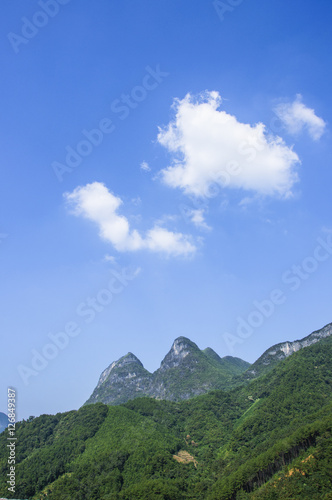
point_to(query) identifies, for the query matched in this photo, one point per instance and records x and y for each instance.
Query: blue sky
(203, 178)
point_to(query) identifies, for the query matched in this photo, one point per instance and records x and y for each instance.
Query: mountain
(3, 421)
(268, 439)
(185, 372)
(272, 356)
(123, 380)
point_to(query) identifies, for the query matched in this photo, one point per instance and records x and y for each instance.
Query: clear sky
(165, 171)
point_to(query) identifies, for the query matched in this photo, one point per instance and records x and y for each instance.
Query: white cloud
(196, 216)
(210, 147)
(96, 203)
(296, 117)
(160, 239)
(145, 167)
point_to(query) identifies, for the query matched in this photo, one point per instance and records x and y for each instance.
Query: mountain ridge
(278, 352)
(186, 371)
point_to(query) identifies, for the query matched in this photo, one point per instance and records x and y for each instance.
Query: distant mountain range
(3, 421)
(186, 371)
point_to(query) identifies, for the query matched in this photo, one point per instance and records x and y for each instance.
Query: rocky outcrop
(122, 380)
(181, 348)
(279, 352)
(130, 362)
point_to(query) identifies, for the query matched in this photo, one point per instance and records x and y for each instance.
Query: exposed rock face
(281, 351)
(186, 371)
(180, 349)
(129, 361)
(123, 380)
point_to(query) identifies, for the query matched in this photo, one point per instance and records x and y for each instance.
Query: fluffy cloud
(296, 117)
(211, 147)
(96, 203)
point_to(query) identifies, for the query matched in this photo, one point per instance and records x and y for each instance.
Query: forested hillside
(268, 439)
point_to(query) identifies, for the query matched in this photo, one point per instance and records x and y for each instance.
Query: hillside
(268, 439)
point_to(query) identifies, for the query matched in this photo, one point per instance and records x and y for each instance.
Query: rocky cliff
(121, 381)
(279, 352)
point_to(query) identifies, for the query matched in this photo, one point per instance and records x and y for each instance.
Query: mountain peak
(181, 348)
(124, 361)
(212, 354)
(129, 358)
(122, 380)
(183, 343)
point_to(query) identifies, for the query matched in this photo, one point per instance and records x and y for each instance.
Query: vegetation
(269, 439)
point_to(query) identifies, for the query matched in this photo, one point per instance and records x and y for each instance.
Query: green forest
(267, 439)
